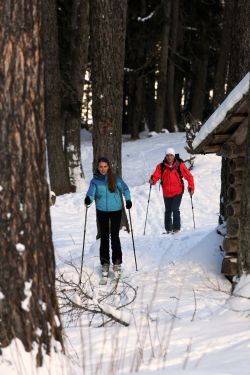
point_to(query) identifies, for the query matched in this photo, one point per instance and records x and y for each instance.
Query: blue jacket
(104, 199)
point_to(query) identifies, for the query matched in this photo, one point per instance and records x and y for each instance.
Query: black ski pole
(132, 239)
(85, 224)
(192, 208)
(147, 210)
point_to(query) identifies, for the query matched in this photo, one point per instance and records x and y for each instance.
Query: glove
(151, 181)
(191, 192)
(87, 201)
(128, 204)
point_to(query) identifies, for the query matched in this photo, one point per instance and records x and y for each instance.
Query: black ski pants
(109, 224)
(172, 208)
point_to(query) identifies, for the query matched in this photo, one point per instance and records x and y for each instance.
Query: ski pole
(85, 224)
(132, 239)
(147, 210)
(192, 208)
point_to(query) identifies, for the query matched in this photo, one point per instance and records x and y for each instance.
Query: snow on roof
(219, 115)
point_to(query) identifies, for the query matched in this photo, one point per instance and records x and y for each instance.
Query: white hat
(171, 151)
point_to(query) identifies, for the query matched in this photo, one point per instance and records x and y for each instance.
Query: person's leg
(176, 212)
(115, 218)
(103, 221)
(168, 214)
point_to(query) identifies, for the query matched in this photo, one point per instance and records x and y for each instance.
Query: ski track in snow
(181, 319)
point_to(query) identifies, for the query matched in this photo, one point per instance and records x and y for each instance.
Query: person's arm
(188, 177)
(123, 187)
(90, 195)
(156, 175)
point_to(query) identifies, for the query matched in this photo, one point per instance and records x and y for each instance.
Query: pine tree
(28, 303)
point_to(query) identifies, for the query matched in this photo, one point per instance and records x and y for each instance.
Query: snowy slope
(183, 318)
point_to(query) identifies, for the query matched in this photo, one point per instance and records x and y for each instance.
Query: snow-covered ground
(183, 318)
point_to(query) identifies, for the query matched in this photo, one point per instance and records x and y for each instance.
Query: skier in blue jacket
(106, 189)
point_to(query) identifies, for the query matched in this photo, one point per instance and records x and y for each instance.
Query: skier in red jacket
(171, 171)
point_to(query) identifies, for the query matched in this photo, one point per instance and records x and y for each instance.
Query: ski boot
(105, 274)
(117, 269)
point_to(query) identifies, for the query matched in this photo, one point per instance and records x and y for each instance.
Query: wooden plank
(229, 266)
(239, 136)
(213, 149)
(230, 245)
(227, 126)
(231, 150)
(220, 138)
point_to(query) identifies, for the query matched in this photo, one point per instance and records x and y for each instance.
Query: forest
(115, 68)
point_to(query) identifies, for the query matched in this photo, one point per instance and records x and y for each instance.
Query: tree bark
(150, 101)
(28, 304)
(108, 29)
(240, 43)
(200, 75)
(136, 56)
(171, 104)
(221, 70)
(108, 25)
(160, 111)
(74, 41)
(58, 171)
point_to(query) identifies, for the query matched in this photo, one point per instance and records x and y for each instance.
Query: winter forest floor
(183, 317)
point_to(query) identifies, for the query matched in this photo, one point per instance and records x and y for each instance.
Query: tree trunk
(108, 28)
(221, 70)
(171, 104)
(108, 25)
(240, 43)
(136, 58)
(138, 107)
(200, 76)
(58, 172)
(28, 309)
(74, 26)
(160, 111)
(150, 101)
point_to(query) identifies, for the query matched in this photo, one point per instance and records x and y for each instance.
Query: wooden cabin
(225, 134)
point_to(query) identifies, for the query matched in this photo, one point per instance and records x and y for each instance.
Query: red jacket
(171, 181)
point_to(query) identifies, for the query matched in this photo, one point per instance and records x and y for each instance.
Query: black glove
(128, 204)
(87, 201)
(191, 192)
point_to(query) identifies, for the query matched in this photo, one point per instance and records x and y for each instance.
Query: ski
(115, 280)
(103, 280)
(105, 275)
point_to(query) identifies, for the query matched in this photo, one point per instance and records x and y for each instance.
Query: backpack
(177, 167)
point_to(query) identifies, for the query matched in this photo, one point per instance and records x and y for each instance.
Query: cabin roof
(224, 121)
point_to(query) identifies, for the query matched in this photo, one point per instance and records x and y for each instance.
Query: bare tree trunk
(200, 76)
(160, 111)
(74, 56)
(220, 78)
(58, 171)
(136, 109)
(28, 305)
(171, 109)
(137, 77)
(150, 101)
(108, 25)
(240, 43)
